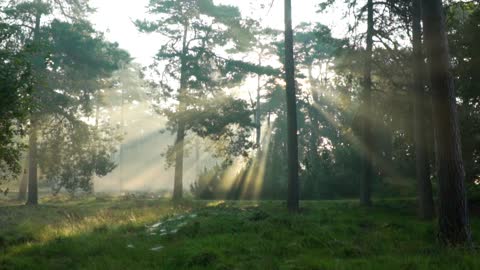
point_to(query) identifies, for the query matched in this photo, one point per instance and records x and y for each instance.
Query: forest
(222, 134)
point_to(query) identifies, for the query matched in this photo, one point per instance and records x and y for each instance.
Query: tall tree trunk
(314, 112)
(367, 134)
(121, 179)
(180, 141)
(32, 198)
(293, 180)
(22, 189)
(258, 122)
(179, 152)
(424, 184)
(453, 215)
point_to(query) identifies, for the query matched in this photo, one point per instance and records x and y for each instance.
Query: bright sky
(115, 18)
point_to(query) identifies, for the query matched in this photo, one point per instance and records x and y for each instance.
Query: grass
(115, 233)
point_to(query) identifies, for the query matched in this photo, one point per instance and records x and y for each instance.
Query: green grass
(113, 233)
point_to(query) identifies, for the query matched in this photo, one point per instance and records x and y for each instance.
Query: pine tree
(453, 213)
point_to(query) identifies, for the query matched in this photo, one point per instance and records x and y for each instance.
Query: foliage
(50, 68)
(190, 73)
(14, 78)
(207, 186)
(73, 153)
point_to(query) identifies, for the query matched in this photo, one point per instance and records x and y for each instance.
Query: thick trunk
(179, 151)
(32, 198)
(180, 141)
(293, 181)
(424, 184)
(454, 228)
(366, 180)
(22, 189)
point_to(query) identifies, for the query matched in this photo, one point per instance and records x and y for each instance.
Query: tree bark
(454, 227)
(367, 161)
(293, 180)
(180, 141)
(258, 122)
(32, 198)
(22, 189)
(424, 184)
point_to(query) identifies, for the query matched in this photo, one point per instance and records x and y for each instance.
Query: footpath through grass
(115, 233)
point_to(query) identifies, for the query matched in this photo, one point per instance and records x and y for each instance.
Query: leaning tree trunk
(424, 184)
(367, 161)
(180, 141)
(453, 215)
(293, 181)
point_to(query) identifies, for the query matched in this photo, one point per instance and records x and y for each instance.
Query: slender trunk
(179, 143)
(314, 115)
(454, 227)
(197, 158)
(293, 181)
(258, 123)
(425, 196)
(367, 161)
(122, 152)
(97, 144)
(32, 198)
(22, 190)
(258, 120)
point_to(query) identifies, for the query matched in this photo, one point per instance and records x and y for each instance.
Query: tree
(464, 35)
(65, 62)
(192, 72)
(374, 50)
(425, 194)
(72, 152)
(14, 77)
(264, 48)
(453, 215)
(367, 135)
(293, 165)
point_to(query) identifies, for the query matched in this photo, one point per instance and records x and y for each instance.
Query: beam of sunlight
(254, 180)
(358, 143)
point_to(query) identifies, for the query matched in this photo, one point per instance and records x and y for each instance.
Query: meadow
(152, 233)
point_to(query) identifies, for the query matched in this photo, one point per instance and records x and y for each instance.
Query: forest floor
(132, 233)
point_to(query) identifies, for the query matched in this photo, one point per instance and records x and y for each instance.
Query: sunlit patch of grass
(215, 203)
(60, 219)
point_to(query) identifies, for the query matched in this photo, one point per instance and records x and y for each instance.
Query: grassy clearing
(112, 233)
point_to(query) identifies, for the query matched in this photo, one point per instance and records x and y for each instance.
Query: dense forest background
(88, 86)
(367, 109)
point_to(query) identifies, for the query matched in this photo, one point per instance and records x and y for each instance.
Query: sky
(114, 17)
